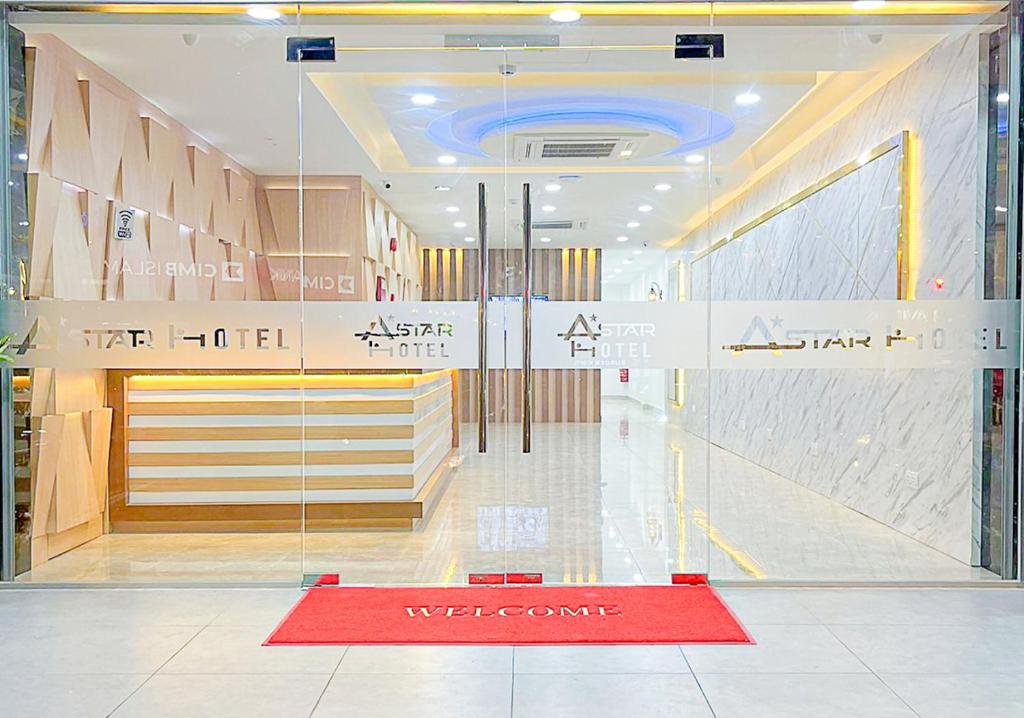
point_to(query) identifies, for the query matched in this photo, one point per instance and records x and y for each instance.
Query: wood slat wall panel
(563, 275)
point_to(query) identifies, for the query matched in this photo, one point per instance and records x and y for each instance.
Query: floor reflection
(631, 500)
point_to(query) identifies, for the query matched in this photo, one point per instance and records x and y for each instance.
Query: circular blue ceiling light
(692, 126)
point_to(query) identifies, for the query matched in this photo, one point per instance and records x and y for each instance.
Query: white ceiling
(230, 83)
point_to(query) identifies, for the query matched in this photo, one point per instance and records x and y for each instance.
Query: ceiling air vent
(575, 146)
(555, 224)
(549, 225)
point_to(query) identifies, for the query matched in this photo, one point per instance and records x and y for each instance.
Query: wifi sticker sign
(124, 224)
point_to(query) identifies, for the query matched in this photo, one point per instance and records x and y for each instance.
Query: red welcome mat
(510, 615)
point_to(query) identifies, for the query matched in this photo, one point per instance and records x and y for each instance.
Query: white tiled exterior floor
(821, 653)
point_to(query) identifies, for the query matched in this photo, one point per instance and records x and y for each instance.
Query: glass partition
(862, 288)
(610, 293)
(144, 338)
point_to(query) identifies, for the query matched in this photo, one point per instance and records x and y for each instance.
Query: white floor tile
(115, 607)
(236, 696)
(68, 696)
(801, 695)
(593, 696)
(427, 659)
(599, 659)
(264, 608)
(779, 649)
(940, 607)
(88, 649)
(960, 696)
(229, 649)
(767, 606)
(936, 649)
(405, 695)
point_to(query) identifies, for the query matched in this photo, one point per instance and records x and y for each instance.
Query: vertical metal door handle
(527, 297)
(481, 318)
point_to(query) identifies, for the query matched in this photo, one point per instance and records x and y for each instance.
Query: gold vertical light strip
(905, 247)
(680, 495)
(894, 143)
(682, 295)
(459, 261)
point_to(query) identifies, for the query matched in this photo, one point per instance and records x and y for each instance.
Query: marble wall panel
(895, 446)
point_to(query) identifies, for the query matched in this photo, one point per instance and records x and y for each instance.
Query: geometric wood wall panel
(70, 456)
(95, 145)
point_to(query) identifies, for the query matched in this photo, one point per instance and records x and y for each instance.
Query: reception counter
(204, 451)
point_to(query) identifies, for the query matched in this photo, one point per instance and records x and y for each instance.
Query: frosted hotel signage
(888, 334)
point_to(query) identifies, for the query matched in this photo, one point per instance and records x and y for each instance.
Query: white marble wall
(896, 446)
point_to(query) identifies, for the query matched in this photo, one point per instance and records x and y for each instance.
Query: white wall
(908, 466)
(646, 386)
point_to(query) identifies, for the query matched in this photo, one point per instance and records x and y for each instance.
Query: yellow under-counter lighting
(275, 381)
(587, 10)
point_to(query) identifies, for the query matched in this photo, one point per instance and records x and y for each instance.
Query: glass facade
(418, 294)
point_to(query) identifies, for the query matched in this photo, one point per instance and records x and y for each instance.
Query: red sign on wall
(380, 289)
(623, 376)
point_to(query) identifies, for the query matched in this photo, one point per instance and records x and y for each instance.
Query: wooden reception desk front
(205, 451)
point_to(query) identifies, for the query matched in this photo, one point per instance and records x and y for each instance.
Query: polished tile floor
(821, 653)
(630, 500)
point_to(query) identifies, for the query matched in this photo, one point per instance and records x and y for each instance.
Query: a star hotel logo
(395, 338)
(580, 333)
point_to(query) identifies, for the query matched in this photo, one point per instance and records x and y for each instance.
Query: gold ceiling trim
(539, 9)
(898, 142)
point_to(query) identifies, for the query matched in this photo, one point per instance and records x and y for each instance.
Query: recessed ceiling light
(548, 208)
(633, 225)
(423, 99)
(453, 210)
(1000, 208)
(645, 208)
(545, 240)
(748, 98)
(694, 159)
(662, 187)
(638, 251)
(553, 187)
(22, 156)
(1003, 97)
(617, 270)
(868, 4)
(469, 239)
(446, 160)
(627, 261)
(565, 14)
(459, 225)
(443, 188)
(626, 153)
(263, 12)
(623, 238)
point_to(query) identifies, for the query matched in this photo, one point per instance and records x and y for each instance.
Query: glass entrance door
(408, 314)
(613, 137)
(530, 191)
